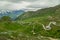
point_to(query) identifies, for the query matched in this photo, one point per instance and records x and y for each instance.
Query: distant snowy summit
(11, 13)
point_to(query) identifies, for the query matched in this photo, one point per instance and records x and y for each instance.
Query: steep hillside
(40, 18)
(40, 13)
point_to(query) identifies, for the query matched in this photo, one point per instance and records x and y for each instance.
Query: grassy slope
(43, 16)
(22, 29)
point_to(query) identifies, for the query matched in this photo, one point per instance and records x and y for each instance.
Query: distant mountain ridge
(13, 14)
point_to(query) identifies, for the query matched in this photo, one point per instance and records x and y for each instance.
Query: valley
(30, 25)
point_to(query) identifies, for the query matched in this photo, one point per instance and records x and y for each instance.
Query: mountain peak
(11, 13)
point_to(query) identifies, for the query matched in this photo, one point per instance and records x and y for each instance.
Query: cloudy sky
(27, 4)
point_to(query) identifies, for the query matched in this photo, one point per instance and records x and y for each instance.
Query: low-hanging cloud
(13, 6)
(27, 4)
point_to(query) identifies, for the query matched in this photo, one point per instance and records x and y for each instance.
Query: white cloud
(18, 6)
(19, 0)
(27, 4)
(13, 6)
(31, 9)
(43, 4)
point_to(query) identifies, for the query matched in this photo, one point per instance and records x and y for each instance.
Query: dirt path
(53, 38)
